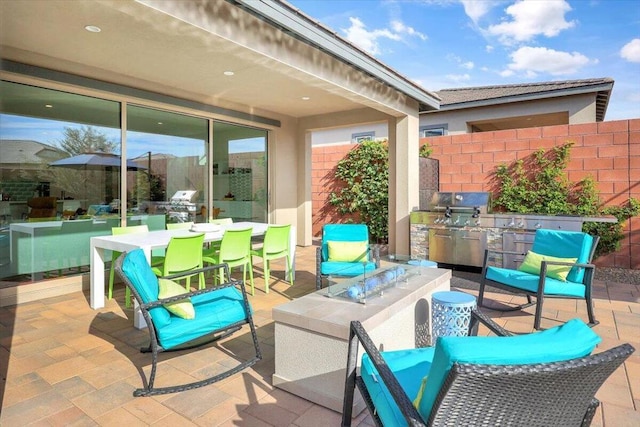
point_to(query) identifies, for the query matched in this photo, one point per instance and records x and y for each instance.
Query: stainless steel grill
(181, 208)
(458, 227)
(455, 233)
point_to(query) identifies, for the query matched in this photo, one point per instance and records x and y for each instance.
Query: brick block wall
(323, 166)
(609, 151)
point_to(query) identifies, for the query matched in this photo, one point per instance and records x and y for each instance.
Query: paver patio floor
(66, 364)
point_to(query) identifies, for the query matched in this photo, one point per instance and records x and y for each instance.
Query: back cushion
(342, 233)
(565, 244)
(572, 340)
(137, 269)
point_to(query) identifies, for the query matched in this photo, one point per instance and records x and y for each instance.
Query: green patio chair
(116, 231)
(179, 225)
(184, 253)
(541, 379)
(215, 245)
(235, 250)
(275, 246)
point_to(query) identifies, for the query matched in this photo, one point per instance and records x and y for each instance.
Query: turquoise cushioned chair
(554, 243)
(540, 379)
(367, 261)
(219, 311)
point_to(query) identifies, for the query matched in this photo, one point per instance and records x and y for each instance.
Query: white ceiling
(147, 49)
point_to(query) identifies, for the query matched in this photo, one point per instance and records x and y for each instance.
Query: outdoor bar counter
(312, 332)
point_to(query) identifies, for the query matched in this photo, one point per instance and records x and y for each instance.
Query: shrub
(364, 173)
(538, 184)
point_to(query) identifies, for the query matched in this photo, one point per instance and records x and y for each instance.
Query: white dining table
(148, 242)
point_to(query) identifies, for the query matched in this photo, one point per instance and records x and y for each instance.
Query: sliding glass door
(239, 171)
(170, 182)
(61, 177)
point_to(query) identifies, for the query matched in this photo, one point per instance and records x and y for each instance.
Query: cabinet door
(515, 241)
(441, 245)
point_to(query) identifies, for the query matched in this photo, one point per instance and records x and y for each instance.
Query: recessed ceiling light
(305, 98)
(48, 106)
(92, 28)
(228, 73)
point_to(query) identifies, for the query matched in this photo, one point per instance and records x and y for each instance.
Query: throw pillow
(182, 308)
(533, 262)
(348, 251)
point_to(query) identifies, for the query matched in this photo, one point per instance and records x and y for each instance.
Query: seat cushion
(529, 282)
(572, 340)
(213, 311)
(338, 268)
(409, 367)
(565, 244)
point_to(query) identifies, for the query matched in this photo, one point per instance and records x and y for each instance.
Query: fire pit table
(312, 332)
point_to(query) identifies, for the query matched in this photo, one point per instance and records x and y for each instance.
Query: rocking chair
(179, 320)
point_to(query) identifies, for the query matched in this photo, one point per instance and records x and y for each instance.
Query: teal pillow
(572, 340)
(181, 308)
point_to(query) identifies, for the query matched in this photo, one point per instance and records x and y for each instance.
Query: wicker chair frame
(545, 394)
(589, 270)
(155, 348)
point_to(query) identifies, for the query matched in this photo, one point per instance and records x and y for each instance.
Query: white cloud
(476, 9)
(631, 51)
(489, 48)
(367, 40)
(399, 27)
(532, 18)
(533, 60)
(457, 78)
(469, 65)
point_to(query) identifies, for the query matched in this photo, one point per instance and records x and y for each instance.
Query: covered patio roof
(183, 49)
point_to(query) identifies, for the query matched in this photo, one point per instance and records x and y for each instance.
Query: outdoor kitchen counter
(312, 332)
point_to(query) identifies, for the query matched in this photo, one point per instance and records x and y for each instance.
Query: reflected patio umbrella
(96, 161)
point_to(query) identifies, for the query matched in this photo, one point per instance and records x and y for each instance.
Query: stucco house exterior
(203, 70)
(517, 106)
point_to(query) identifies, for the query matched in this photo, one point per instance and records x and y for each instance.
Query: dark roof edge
(602, 90)
(294, 22)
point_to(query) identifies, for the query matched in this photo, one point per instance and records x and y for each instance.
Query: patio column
(403, 179)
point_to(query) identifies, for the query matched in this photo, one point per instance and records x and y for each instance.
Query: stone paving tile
(70, 365)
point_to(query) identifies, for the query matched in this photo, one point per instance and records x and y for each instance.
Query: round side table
(423, 263)
(451, 313)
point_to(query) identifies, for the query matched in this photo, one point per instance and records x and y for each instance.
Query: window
(363, 136)
(433, 130)
(60, 175)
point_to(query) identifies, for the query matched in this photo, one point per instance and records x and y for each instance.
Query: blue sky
(465, 43)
